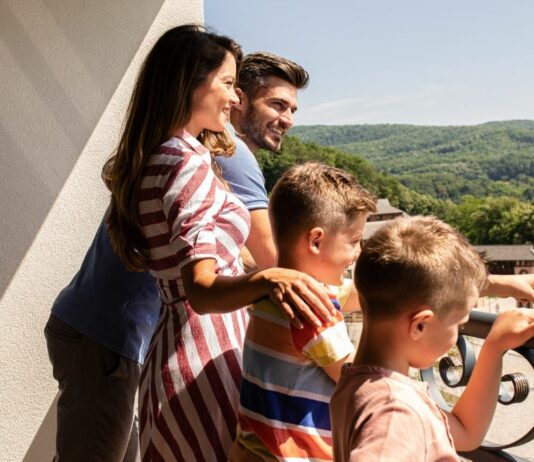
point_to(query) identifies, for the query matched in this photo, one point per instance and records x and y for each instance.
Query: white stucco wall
(66, 72)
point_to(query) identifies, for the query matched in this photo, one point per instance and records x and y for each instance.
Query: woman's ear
(419, 322)
(315, 240)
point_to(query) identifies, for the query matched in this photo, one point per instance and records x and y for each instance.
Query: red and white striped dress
(189, 390)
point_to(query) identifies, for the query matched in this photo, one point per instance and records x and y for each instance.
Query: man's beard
(252, 129)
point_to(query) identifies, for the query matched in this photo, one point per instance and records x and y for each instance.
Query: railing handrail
(479, 325)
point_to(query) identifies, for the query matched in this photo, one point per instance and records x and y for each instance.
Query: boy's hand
(519, 286)
(511, 329)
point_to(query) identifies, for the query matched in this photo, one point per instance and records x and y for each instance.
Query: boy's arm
(471, 416)
(519, 286)
(328, 346)
(334, 370)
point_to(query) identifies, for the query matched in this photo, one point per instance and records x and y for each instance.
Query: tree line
(492, 159)
(495, 219)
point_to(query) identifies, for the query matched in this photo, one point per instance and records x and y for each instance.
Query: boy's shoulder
(323, 344)
(372, 385)
(390, 407)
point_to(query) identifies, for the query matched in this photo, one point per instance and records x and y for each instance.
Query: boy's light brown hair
(417, 261)
(314, 194)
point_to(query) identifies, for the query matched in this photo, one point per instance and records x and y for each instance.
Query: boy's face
(441, 334)
(338, 250)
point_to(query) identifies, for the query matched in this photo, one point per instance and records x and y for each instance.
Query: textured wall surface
(66, 72)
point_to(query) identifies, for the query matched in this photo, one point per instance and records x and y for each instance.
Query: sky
(424, 62)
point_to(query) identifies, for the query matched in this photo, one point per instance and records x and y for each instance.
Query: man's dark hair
(257, 67)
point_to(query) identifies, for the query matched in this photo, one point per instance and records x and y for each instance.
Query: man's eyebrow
(285, 101)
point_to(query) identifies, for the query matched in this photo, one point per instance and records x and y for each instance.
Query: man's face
(269, 115)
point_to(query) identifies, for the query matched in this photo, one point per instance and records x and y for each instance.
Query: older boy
(417, 279)
(318, 214)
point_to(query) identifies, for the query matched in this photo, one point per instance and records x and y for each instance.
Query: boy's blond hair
(417, 261)
(314, 194)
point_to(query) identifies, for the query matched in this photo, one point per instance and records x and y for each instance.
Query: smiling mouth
(278, 132)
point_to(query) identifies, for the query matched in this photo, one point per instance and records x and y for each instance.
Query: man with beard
(267, 87)
(101, 323)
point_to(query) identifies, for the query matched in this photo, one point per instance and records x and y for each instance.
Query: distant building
(508, 259)
(384, 214)
(385, 211)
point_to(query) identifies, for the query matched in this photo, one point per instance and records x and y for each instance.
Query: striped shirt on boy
(285, 393)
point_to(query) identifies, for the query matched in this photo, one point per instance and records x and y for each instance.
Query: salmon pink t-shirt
(381, 415)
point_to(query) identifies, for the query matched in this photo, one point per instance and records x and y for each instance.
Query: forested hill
(485, 220)
(492, 159)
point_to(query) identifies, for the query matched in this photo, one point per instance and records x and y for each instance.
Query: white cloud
(376, 109)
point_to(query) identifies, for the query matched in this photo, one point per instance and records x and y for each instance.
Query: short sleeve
(344, 291)
(393, 433)
(323, 345)
(243, 174)
(191, 201)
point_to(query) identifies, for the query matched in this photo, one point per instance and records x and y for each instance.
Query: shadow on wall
(59, 67)
(43, 446)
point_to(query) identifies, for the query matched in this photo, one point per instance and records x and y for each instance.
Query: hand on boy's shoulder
(511, 329)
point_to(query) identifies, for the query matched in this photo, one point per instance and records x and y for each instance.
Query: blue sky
(424, 62)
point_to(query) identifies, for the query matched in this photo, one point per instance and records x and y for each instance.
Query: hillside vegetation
(492, 159)
(484, 220)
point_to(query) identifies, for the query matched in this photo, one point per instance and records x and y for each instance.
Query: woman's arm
(209, 292)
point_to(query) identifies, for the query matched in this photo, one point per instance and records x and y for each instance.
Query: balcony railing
(454, 371)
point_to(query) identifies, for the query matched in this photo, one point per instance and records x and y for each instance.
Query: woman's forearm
(209, 292)
(292, 291)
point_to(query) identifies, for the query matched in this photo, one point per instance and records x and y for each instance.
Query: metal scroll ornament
(514, 388)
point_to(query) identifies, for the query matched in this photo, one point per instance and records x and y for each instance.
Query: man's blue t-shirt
(244, 176)
(119, 309)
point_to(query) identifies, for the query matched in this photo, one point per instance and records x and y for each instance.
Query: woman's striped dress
(189, 390)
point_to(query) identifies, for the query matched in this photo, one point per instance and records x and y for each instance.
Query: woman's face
(213, 99)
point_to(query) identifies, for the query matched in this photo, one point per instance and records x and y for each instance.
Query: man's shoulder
(241, 155)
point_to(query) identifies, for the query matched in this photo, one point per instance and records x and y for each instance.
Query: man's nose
(287, 118)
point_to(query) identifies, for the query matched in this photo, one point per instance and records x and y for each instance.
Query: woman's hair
(161, 103)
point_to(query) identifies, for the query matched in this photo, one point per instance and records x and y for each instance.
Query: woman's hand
(298, 294)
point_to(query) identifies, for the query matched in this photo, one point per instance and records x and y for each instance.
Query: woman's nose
(234, 99)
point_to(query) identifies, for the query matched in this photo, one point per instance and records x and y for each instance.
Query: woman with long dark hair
(170, 213)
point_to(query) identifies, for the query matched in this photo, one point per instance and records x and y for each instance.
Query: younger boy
(318, 214)
(417, 279)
